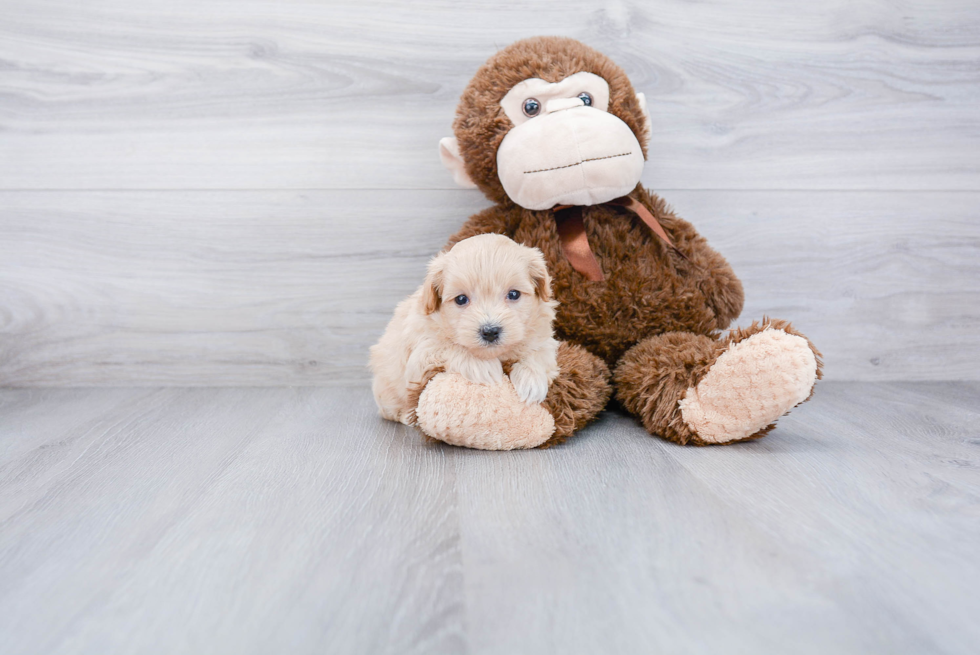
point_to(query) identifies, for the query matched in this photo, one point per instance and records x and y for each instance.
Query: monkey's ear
(432, 287)
(538, 270)
(647, 123)
(451, 159)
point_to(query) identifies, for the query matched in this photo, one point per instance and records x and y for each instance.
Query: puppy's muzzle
(490, 333)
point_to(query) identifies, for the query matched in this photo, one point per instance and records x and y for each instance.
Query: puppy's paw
(479, 371)
(531, 385)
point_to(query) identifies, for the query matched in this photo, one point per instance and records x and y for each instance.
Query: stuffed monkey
(552, 132)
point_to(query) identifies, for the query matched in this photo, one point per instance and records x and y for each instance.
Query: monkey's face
(549, 121)
(565, 148)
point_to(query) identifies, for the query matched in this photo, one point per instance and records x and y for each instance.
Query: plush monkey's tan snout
(569, 156)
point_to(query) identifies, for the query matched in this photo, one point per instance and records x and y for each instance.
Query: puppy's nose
(490, 333)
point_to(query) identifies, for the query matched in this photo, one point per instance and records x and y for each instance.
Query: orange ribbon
(575, 243)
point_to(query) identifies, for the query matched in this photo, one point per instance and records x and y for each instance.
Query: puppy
(484, 302)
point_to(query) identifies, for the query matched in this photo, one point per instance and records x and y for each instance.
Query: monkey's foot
(493, 417)
(484, 416)
(764, 372)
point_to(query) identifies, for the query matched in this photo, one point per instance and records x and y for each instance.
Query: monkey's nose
(558, 104)
(490, 333)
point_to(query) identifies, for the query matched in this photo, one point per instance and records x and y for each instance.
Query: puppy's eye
(531, 107)
(461, 300)
(513, 294)
(585, 98)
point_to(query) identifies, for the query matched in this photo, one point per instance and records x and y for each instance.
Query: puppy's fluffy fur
(431, 331)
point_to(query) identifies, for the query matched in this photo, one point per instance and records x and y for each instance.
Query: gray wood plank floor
(294, 520)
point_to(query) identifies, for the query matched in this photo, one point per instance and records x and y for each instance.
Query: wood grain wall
(217, 192)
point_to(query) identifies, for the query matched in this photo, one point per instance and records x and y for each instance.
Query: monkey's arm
(719, 283)
(493, 220)
(716, 279)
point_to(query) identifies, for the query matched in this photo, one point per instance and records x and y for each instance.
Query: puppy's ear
(432, 287)
(538, 271)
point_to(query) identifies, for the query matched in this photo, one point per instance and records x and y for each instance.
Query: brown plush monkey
(553, 133)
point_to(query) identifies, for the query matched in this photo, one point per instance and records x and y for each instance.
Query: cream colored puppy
(484, 302)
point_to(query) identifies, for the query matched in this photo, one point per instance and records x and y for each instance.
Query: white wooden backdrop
(238, 192)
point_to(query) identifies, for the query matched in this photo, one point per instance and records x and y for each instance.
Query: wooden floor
(294, 520)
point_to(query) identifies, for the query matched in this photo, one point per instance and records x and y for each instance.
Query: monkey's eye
(513, 294)
(585, 98)
(531, 107)
(461, 300)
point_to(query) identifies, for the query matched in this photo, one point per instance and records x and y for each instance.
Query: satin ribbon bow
(575, 243)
